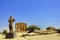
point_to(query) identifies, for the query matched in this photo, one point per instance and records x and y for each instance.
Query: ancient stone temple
(20, 27)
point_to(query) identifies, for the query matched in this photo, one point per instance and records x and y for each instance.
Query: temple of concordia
(20, 27)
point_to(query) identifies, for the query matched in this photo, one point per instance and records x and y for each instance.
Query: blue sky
(39, 12)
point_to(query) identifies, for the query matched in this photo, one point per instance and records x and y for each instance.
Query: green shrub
(4, 31)
(50, 28)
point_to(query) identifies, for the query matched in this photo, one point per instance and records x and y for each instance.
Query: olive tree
(31, 28)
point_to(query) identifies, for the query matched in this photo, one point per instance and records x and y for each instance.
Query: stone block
(10, 35)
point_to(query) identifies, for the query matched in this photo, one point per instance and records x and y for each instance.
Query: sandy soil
(55, 36)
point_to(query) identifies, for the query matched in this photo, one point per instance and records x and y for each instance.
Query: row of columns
(21, 29)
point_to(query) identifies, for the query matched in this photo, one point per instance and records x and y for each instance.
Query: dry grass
(55, 36)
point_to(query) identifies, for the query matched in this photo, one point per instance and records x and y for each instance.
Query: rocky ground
(55, 36)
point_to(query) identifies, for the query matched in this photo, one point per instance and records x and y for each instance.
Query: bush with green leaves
(4, 31)
(50, 28)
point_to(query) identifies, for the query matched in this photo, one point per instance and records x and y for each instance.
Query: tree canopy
(32, 28)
